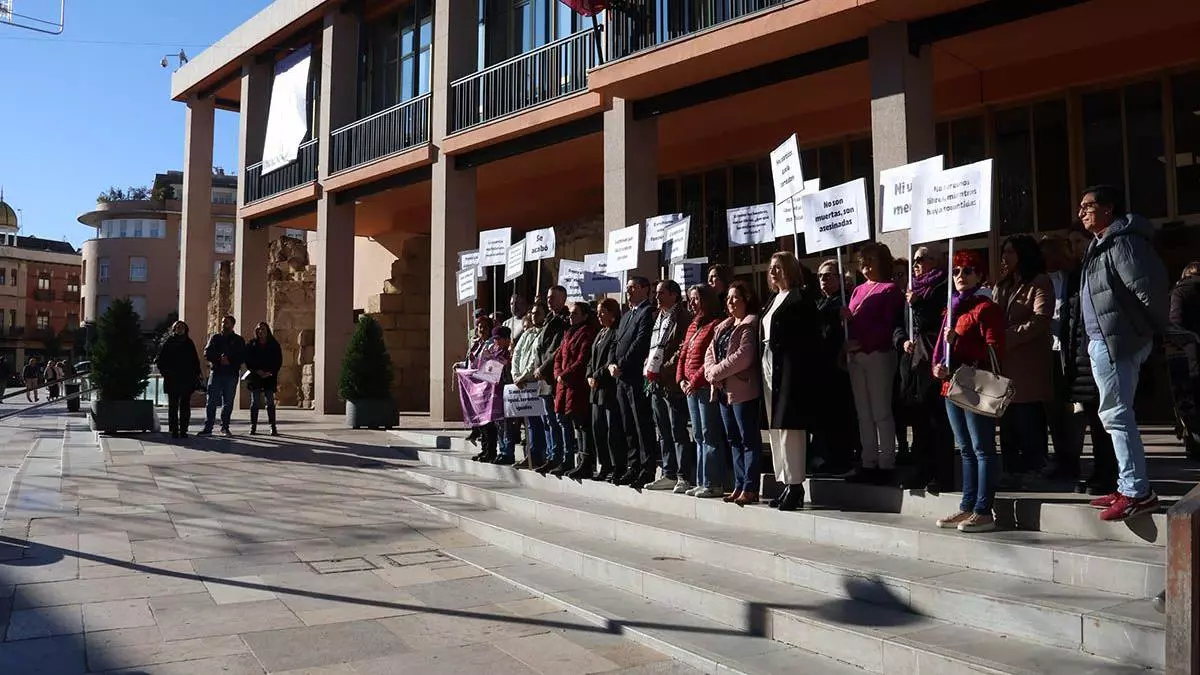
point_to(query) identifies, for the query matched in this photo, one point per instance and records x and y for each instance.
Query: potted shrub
(366, 383)
(120, 368)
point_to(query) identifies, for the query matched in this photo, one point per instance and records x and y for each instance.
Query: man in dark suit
(560, 440)
(633, 346)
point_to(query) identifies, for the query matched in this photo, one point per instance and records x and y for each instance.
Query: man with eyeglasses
(1123, 306)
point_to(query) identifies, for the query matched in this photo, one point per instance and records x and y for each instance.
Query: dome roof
(8, 217)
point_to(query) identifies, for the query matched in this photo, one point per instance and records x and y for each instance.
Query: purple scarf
(923, 285)
(939, 349)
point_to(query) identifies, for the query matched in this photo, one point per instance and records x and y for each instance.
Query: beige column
(631, 177)
(902, 124)
(453, 225)
(197, 234)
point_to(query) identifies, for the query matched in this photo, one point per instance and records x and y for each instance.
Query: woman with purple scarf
(481, 390)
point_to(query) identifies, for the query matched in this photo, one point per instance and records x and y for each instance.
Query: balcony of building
(299, 172)
(401, 127)
(43, 295)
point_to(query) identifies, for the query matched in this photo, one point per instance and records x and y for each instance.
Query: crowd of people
(672, 390)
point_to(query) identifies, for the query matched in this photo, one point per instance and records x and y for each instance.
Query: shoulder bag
(982, 392)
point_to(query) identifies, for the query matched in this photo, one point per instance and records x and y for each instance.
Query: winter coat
(232, 346)
(1079, 383)
(669, 343)
(570, 371)
(795, 350)
(1185, 304)
(268, 357)
(693, 351)
(548, 342)
(1128, 286)
(928, 311)
(178, 364)
(633, 342)
(979, 323)
(605, 393)
(1028, 309)
(738, 374)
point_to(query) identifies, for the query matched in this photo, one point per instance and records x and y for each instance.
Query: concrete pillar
(631, 177)
(453, 225)
(196, 237)
(902, 124)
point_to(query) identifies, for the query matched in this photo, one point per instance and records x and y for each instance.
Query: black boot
(774, 503)
(584, 469)
(793, 498)
(271, 420)
(253, 421)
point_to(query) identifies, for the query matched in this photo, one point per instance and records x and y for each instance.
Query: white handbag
(983, 392)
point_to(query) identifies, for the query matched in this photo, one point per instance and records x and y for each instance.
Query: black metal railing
(300, 172)
(400, 127)
(642, 24)
(547, 73)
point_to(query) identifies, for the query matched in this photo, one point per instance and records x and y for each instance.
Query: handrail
(381, 113)
(1183, 586)
(526, 55)
(6, 395)
(395, 129)
(305, 144)
(43, 404)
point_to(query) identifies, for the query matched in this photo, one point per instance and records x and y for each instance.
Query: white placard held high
(896, 193)
(689, 272)
(675, 239)
(467, 285)
(596, 279)
(523, 401)
(952, 203)
(786, 170)
(570, 276)
(471, 259)
(540, 244)
(493, 246)
(514, 263)
(784, 210)
(836, 216)
(655, 227)
(751, 224)
(623, 249)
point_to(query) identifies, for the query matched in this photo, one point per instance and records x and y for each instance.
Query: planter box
(112, 416)
(372, 413)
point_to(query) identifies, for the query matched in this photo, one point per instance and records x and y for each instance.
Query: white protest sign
(467, 285)
(836, 216)
(523, 401)
(675, 239)
(540, 244)
(493, 246)
(689, 272)
(514, 263)
(751, 224)
(786, 170)
(789, 213)
(623, 249)
(471, 259)
(952, 203)
(570, 276)
(655, 227)
(596, 280)
(896, 193)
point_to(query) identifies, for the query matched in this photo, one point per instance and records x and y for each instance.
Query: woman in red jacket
(974, 335)
(571, 392)
(702, 407)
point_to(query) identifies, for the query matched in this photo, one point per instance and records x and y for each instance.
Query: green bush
(120, 364)
(366, 368)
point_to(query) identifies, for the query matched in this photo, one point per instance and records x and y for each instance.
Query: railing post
(1183, 586)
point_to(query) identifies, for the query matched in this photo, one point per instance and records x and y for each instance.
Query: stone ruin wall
(402, 310)
(291, 312)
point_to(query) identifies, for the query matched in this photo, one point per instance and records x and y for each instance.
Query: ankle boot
(792, 499)
(253, 421)
(271, 420)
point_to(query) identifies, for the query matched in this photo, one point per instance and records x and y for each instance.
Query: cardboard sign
(675, 239)
(655, 227)
(467, 285)
(523, 401)
(514, 263)
(596, 280)
(689, 272)
(493, 246)
(751, 224)
(570, 276)
(540, 244)
(623, 249)
(952, 203)
(789, 213)
(896, 193)
(489, 371)
(786, 171)
(836, 216)
(471, 259)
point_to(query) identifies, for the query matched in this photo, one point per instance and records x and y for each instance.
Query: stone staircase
(754, 590)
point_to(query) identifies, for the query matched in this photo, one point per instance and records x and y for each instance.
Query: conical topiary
(366, 368)
(120, 364)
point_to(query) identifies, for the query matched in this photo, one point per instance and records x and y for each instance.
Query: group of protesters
(672, 389)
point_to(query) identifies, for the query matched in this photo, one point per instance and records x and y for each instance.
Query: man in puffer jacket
(1124, 305)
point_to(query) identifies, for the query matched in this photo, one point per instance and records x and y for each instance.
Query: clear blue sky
(79, 113)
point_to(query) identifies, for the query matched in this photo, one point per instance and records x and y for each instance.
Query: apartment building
(450, 117)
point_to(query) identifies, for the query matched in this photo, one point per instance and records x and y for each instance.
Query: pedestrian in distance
(179, 366)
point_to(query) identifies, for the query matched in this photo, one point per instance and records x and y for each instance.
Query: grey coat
(1128, 285)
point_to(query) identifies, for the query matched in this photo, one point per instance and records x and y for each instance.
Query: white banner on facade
(751, 224)
(523, 401)
(467, 285)
(675, 239)
(623, 249)
(952, 203)
(836, 216)
(896, 193)
(471, 259)
(655, 227)
(786, 171)
(570, 276)
(540, 244)
(596, 279)
(287, 116)
(689, 272)
(514, 262)
(789, 213)
(493, 246)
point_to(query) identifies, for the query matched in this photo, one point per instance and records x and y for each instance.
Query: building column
(453, 226)
(902, 124)
(197, 233)
(335, 221)
(630, 177)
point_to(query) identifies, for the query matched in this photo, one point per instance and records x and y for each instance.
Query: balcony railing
(43, 294)
(642, 24)
(400, 127)
(300, 172)
(547, 73)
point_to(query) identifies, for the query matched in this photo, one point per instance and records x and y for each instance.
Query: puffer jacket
(1128, 286)
(1185, 304)
(1078, 382)
(692, 351)
(570, 371)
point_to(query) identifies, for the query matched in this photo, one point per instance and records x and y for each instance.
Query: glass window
(139, 305)
(137, 268)
(102, 270)
(667, 202)
(73, 283)
(862, 165)
(224, 238)
(2, 282)
(744, 192)
(713, 240)
(102, 303)
(1103, 150)
(1052, 165)
(831, 160)
(122, 226)
(43, 320)
(43, 282)
(1185, 97)
(1147, 160)
(967, 144)
(137, 228)
(1014, 171)
(156, 229)
(72, 321)
(12, 279)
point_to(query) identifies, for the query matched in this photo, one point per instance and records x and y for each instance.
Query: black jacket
(795, 354)
(832, 332)
(178, 364)
(1185, 304)
(268, 357)
(548, 343)
(1078, 381)
(633, 342)
(605, 393)
(231, 346)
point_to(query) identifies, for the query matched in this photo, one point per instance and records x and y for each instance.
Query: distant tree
(112, 194)
(137, 193)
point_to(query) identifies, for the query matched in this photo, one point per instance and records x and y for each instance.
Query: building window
(1185, 95)
(137, 229)
(137, 268)
(2, 282)
(139, 305)
(102, 304)
(302, 235)
(43, 282)
(102, 271)
(397, 58)
(72, 321)
(156, 229)
(83, 270)
(223, 196)
(123, 228)
(43, 320)
(12, 278)
(224, 238)
(72, 283)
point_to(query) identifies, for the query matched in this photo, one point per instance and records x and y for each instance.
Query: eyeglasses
(1088, 207)
(964, 271)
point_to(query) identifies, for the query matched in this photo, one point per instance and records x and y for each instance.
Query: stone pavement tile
(488, 623)
(407, 576)
(104, 543)
(192, 617)
(352, 596)
(470, 592)
(325, 645)
(247, 565)
(61, 655)
(25, 624)
(474, 659)
(198, 527)
(103, 616)
(286, 545)
(529, 607)
(114, 657)
(460, 571)
(550, 654)
(660, 668)
(122, 637)
(232, 593)
(82, 591)
(40, 569)
(206, 509)
(244, 664)
(210, 546)
(111, 569)
(339, 669)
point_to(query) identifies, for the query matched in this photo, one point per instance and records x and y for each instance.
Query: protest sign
(655, 227)
(596, 280)
(751, 224)
(493, 246)
(836, 216)
(471, 259)
(570, 276)
(896, 193)
(952, 203)
(623, 248)
(689, 272)
(784, 210)
(540, 244)
(786, 170)
(514, 264)
(467, 285)
(675, 239)
(523, 401)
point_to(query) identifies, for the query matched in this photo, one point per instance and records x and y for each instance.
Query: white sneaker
(682, 487)
(692, 492)
(709, 492)
(660, 484)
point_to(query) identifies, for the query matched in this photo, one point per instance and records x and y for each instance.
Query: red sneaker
(1105, 501)
(1127, 507)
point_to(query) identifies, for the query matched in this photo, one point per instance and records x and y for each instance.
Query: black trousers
(1104, 459)
(639, 426)
(608, 434)
(933, 441)
(179, 411)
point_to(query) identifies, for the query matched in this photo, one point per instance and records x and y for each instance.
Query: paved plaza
(296, 554)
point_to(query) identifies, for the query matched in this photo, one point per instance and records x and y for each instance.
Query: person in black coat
(835, 435)
(628, 361)
(607, 428)
(264, 358)
(1079, 387)
(1185, 300)
(560, 436)
(179, 366)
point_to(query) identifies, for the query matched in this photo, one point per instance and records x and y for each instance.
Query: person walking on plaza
(264, 358)
(524, 360)
(50, 377)
(705, 413)
(560, 439)
(667, 401)
(30, 376)
(1124, 305)
(571, 392)
(224, 352)
(973, 335)
(179, 366)
(629, 357)
(731, 366)
(608, 432)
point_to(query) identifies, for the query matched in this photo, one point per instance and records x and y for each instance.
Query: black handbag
(916, 372)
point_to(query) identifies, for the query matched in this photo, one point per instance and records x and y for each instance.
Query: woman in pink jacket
(731, 366)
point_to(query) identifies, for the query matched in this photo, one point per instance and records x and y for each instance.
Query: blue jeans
(560, 434)
(222, 389)
(675, 446)
(744, 432)
(975, 436)
(539, 435)
(1117, 382)
(510, 431)
(710, 439)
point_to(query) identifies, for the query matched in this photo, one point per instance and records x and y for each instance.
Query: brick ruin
(291, 312)
(402, 310)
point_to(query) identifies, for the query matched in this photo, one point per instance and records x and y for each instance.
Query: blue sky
(79, 113)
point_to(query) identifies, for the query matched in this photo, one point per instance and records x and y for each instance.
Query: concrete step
(875, 638)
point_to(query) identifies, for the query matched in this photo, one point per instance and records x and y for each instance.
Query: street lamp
(181, 57)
